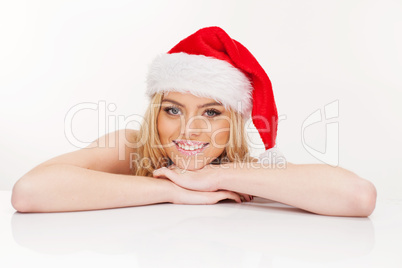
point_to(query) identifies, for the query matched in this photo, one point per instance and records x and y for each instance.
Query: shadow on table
(224, 233)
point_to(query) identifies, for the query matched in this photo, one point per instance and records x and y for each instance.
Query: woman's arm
(62, 187)
(99, 178)
(317, 188)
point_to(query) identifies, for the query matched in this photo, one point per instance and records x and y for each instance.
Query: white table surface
(260, 233)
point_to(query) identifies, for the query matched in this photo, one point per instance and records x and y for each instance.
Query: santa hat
(210, 64)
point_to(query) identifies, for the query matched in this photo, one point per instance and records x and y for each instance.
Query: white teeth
(191, 147)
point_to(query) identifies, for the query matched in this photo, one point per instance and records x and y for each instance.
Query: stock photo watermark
(109, 121)
(330, 155)
(270, 160)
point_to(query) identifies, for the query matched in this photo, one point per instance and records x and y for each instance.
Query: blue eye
(170, 109)
(173, 110)
(212, 112)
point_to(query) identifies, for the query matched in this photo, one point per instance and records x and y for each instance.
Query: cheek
(220, 132)
(166, 128)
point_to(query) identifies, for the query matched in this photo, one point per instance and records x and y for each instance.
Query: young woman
(191, 147)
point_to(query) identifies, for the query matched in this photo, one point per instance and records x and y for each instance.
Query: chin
(190, 167)
(195, 163)
(195, 168)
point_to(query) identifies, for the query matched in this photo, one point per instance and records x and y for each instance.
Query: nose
(194, 126)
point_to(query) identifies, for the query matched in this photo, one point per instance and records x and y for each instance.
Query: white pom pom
(272, 156)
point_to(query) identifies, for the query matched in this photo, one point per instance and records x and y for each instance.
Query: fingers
(246, 197)
(171, 167)
(204, 198)
(215, 197)
(163, 172)
(185, 196)
(229, 195)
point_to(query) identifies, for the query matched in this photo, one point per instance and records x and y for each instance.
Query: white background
(55, 55)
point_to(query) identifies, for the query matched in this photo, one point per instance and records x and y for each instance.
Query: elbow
(364, 198)
(20, 198)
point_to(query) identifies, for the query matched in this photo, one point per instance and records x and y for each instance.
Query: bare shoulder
(109, 153)
(113, 151)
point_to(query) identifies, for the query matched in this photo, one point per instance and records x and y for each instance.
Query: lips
(190, 147)
(190, 143)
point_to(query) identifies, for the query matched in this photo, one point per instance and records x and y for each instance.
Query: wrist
(234, 176)
(168, 190)
(225, 175)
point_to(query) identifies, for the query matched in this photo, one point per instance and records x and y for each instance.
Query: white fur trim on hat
(272, 156)
(202, 76)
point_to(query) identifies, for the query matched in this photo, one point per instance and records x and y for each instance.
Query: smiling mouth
(188, 148)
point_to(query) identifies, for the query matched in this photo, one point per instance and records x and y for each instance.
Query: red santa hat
(210, 64)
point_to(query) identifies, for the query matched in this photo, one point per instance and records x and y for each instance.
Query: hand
(189, 197)
(205, 179)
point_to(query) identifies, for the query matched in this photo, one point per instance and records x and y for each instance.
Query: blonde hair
(151, 155)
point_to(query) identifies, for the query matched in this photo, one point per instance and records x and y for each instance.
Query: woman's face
(193, 130)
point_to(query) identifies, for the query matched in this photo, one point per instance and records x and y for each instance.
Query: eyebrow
(199, 106)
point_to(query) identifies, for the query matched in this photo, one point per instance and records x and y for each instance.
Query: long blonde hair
(151, 157)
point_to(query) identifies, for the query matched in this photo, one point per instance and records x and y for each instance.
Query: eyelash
(168, 109)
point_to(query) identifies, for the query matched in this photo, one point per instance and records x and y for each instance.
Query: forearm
(71, 188)
(318, 188)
